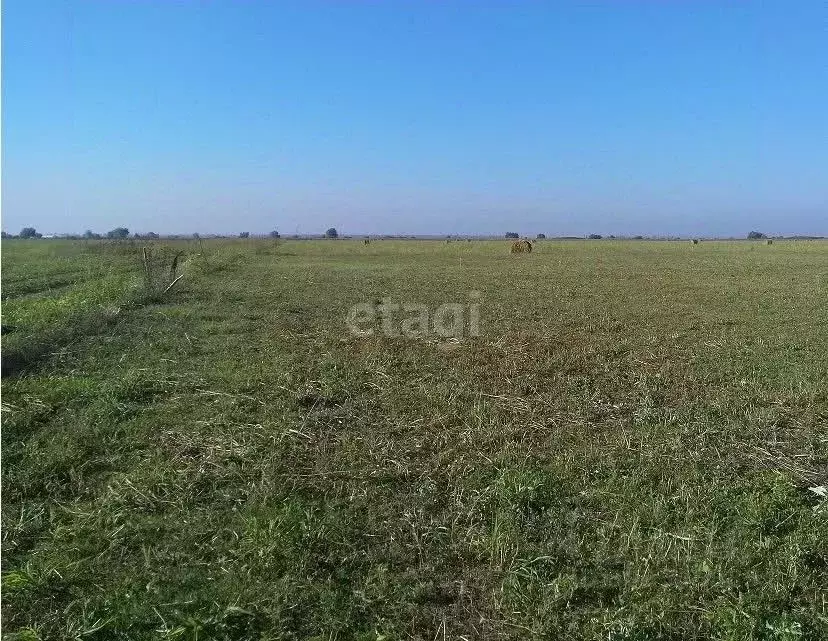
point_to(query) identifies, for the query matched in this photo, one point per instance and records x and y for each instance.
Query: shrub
(332, 233)
(540, 236)
(595, 236)
(512, 234)
(29, 232)
(755, 235)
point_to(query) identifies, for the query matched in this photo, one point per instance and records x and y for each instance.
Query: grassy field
(631, 448)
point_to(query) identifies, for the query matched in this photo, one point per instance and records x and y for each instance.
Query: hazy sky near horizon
(614, 117)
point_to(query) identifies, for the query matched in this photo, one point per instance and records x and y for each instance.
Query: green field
(632, 447)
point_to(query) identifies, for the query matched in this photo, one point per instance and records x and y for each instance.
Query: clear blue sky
(614, 117)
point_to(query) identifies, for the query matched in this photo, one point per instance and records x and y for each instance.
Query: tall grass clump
(161, 267)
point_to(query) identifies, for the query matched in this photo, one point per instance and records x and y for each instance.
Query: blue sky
(614, 117)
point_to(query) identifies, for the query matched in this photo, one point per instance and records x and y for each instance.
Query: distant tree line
(121, 233)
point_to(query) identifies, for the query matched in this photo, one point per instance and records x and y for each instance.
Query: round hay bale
(522, 246)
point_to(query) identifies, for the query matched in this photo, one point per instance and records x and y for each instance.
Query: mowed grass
(632, 448)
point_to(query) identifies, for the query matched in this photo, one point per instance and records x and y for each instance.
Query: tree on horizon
(118, 232)
(29, 232)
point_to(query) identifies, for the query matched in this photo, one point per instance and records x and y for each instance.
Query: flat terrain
(632, 447)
